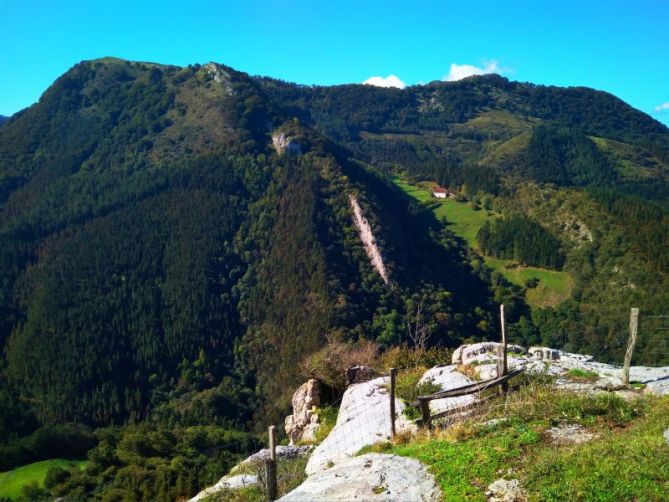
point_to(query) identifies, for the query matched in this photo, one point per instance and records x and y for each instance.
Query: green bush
(55, 476)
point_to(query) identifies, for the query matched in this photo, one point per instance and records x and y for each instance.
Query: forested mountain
(3, 119)
(175, 241)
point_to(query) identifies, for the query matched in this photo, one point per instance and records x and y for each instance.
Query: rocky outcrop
(360, 374)
(482, 352)
(544, 353)
(282, 453)
(233, 481)
(227, 483)
(373, 476)
(302, 424)
(566, 434)
(221, 76)
(558, 363)
(363, 419)
(283, 143)
(367, 238)
(447, 377)
(505, 490)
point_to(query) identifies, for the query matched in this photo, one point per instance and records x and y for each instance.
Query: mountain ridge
(177, 244)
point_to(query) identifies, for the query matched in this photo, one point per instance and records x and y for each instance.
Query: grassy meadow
(465, 221)
(11, 482)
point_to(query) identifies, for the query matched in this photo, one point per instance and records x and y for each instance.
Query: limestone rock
(282, 143)
(227, 483)
(302, 424)
(372, 476)
(282, 452)
(367, 238)
(505, 490)
(221, 76)
(570, 434)
(481, 352)
(359, 374)
(363, 419)
(447, 377)
(544, 353)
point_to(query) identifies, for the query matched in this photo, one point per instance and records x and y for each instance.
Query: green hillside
(175, 242)
(12, 482)
(465, 221)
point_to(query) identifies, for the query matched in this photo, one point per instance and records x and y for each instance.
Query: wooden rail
(424, 401)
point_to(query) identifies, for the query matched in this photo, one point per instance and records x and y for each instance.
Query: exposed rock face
(544, 353)
(359, 374)
(282, 452)
(505, 490)
(282, 143)
(481, 352)
(448, 378)
(227, 483)
(234, 481)
(221, 76)
(370, 477)
(363, 419)
(557, 363)
(368, 239)
(570, 434)
(302, 424)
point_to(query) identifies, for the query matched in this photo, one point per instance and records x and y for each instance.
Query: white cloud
(389, 81)
(460, 71)
(663, 107)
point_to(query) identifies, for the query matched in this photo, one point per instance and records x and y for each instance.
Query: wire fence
(653, 341)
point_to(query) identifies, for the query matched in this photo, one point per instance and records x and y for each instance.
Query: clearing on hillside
(554, 286)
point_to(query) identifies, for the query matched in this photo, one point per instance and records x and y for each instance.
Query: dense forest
(166, 266)
(520, 239)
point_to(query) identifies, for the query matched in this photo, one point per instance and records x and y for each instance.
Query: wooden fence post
(425, 412)
(270, 466)
(502, 367)
(631, 342)
(393, 374)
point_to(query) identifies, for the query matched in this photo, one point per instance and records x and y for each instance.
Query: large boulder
(505, 490)
(447, 377)
(282, 453)
(227, 483)
(545, 353)
(481, 352)
(372, 476)
(363, 419)
(302, 424)
(235, 481)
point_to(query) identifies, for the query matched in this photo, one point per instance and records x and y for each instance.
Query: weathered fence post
(393, 374)
(502, 368)
(270, 466)
(425, 411)
(631, 342)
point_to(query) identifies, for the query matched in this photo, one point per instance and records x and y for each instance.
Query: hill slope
(148, 224)
(175, 241)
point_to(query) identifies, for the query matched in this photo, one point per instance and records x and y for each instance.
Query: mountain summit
(182, 245)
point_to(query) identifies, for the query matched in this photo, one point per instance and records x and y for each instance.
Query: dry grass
(331, 362)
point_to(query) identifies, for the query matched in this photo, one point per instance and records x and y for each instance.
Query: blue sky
(618, 46)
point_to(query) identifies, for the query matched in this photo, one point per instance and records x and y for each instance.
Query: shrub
(404, 357)
(331, 362)
(328, 418)
(55, 476)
